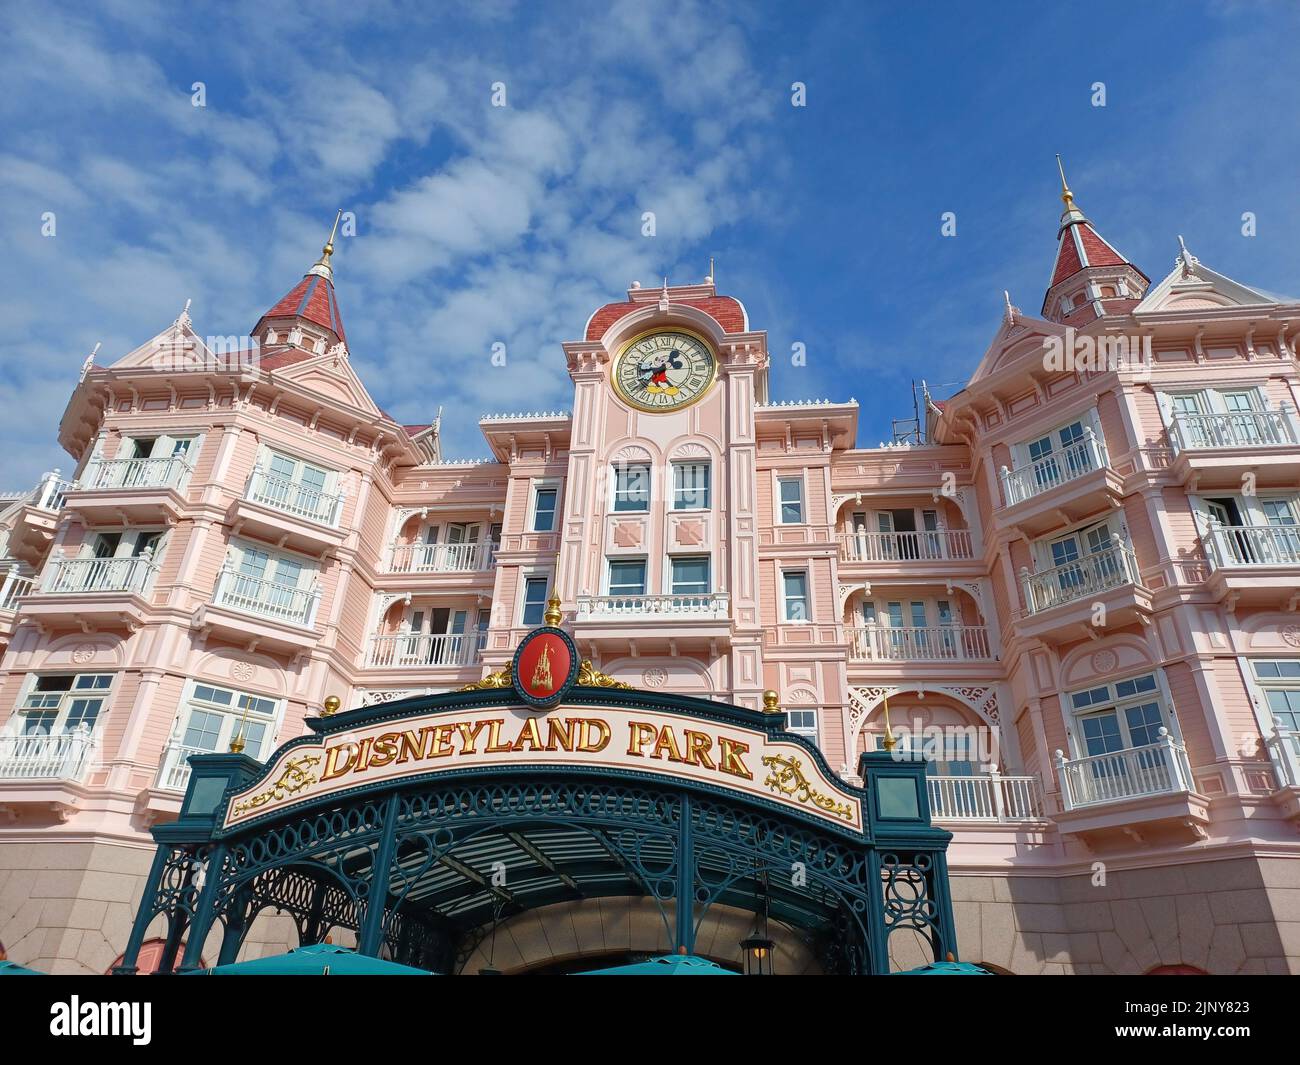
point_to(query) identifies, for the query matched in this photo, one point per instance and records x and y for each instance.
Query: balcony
(126, 491)
(1119, 792)
(441, 558)
(1060, 488)
(174, 773)
(13, 586)
(33, 528)
(1213, 449)
(939, 545)
(1067, 595)
(412, 650)
(93, 591)
(1284, 752)
(46, 756)
(936, 643)
(250, 610)
(1254, 564)
(992, 798)
(289, 513)
(655, 623)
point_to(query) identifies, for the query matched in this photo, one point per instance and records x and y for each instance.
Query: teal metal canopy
(322, 959)
(9, 968)
(668, 965)
(946, 968)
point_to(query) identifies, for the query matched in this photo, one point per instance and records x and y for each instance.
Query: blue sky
(478, 224)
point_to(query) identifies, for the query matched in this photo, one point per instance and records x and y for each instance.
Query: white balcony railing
(174, 773)
(47, 756)
(14, 585)
(934, 643)
(1087, 576)
(268, 599)
(170, 472)
(937, 545)
(1159, 768)
(985, 798)
(409, 649)
(1284, 750)
(1253, 545)
(49, 493)
(441, 558)
(1060, 467)
(1251, 428)
(704, 607)
(76, 576)
(294, 497)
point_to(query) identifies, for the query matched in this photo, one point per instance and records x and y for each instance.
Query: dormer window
(1067, 306)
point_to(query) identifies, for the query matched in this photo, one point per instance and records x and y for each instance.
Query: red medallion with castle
(545, 665)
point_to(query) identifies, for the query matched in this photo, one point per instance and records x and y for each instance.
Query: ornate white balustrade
(937, 545)
(991, 797)
(934, 643)
(14, 585)
(1284, 750)
(1159, 768)
(1253, 545)
(1087, 576)
(46, 756)
(170, 472)
(174, 773)
(1060, 467)
(1252, 428)
(705, 607)
(441, 558)
(294, 497)
(50, 492)
(268, 599)
(74, 576)
(404, 650)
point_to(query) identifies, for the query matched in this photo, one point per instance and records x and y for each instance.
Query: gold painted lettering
(667, 741)
(469, 734)
(494, 744)
(561, 733)
(732, 763)
(697, 749)
(601, 730)
(528, 734)
(385, 749)
(441, 743)
(641, 733)
(338, 760)
(363, 756)
(414, 745)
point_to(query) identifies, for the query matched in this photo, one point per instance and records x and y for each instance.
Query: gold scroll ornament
(787, 777)
(296, 776)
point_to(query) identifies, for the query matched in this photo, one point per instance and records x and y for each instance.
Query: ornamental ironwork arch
(419, 859)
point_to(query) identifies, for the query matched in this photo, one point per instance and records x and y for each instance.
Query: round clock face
(663, 371)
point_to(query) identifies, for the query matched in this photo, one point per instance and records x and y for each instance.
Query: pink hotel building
(1080, 595)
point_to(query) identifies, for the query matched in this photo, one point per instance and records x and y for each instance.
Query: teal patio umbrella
(322, 959)
(9, 968)
(668, 965)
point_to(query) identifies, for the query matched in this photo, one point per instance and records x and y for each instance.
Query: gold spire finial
(553, 616)
(328, 250)
(771, 702)
(890, 741)
(237, 743)
(322, 265)
(1067, 197)
(331, 706)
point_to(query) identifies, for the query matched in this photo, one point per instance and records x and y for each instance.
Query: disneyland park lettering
(572, 735)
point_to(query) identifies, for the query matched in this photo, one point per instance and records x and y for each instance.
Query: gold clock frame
(658, 330)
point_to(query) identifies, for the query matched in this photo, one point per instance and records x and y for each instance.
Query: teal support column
(205, 911)
(941, 892)
(373, 924)
(144, 914)
(236, 925)
(685, 880)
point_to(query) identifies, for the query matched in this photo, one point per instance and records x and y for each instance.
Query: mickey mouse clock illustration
(663, 371)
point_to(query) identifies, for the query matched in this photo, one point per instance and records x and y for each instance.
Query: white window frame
(1118, 704)
(1020, 456)
(546, 577)
(534, 488)
(62, 705)
(795, 478)
(231, 715)
(809, 732)
(786, 619)
(691, 557)
(618, 468)
(614, 560)
(707, 466)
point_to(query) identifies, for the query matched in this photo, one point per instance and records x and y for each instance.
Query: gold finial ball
(771, 702)
(332, 704)
(553, 616)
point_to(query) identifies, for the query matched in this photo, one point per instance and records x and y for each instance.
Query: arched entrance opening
(437, 829)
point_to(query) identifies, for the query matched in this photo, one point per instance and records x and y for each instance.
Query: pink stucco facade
(1079, 596)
